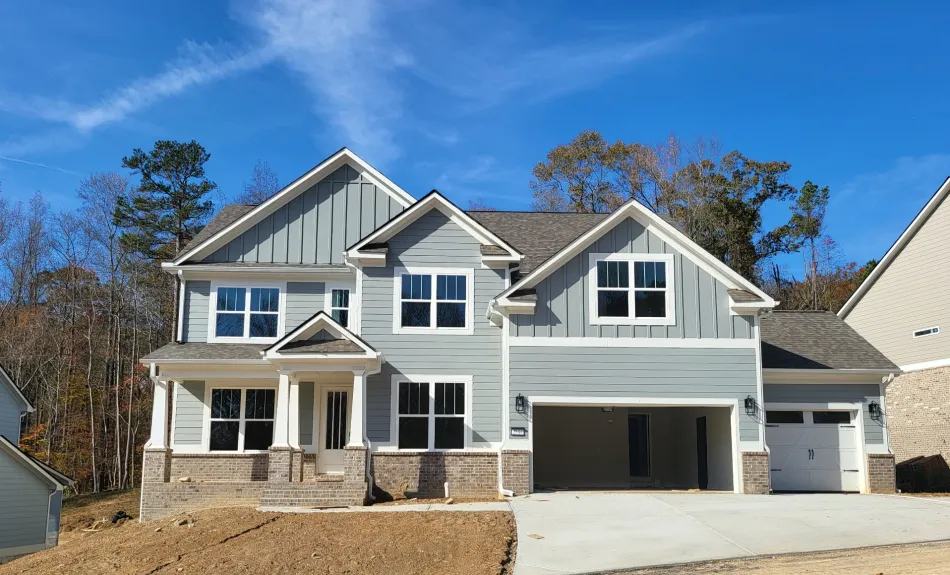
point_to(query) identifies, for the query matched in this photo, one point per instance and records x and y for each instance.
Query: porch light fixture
(874, 410)
(750, 407)
(521, 405)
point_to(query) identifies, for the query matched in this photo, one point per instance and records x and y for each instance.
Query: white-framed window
(245, 312)
(631, 289)
(338, 304)
(925, 332)
(433, 300)
(242, 419)
(431, 413)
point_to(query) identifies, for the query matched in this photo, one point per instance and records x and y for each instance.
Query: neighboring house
(903, 309)
(344, 339)
(31, 492)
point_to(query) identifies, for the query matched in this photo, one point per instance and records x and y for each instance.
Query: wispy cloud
(483, 177)
(38, 165)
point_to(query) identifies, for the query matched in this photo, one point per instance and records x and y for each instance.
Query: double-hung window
(632, 289)
(432, 413)
(241, 419)
(433, 300)
(338, 305)
(246, 313)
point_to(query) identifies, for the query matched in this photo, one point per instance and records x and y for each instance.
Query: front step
(326, 493)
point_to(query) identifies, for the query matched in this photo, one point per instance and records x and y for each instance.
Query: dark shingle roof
(493, 251)
(538, 235)
(208, 351)
(816, 340)
(223, 219)
(325, 346)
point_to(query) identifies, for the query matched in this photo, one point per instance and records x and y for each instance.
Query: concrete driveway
(582, 532)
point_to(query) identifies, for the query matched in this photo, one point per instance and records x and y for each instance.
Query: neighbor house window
(340, 306)
(433, 300)
(926, 332)
(241, 419)
(431, 415)
(246, 313)
(631, 289)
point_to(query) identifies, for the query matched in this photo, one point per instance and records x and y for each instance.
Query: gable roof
(908, 234)
(46, 472)
(657, 225)
(225, 230)
(816, 340)
(227, 216)
(7, 381)
(298, 342)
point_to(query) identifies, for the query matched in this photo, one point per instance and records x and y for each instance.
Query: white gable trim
(322, 170)
(896, 249)
(434, 200)
(5, 377)
(320, 320)
(664, 231)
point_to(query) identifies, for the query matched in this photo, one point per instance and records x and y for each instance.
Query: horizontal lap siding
(189, 413)
(434, 241)
(197, 308)
(24, 499)
(9, 415)
(824, 393)
(306, 413)
(303, 300)
(701, 302)
(316, 225)
(634, 373)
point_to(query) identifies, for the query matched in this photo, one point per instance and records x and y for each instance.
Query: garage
(640, 447)
(813, 450)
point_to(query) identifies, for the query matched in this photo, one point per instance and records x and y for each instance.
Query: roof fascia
(319, 319)
(13, 450)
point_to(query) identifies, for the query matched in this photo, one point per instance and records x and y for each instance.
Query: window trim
(328, 302)
(670, 290)
(243, 387)
(431, 380)
(247, 285)
(469, 274)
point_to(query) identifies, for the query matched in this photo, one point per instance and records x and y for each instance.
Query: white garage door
(812, 450)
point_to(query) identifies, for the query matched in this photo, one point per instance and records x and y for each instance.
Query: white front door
(813, 450)
(334, 427)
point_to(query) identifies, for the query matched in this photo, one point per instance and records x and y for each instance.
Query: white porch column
(357, 416)
(294, 421)
(159, 438)
(282, 412)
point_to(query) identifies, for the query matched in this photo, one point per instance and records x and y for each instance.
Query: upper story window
(631, 289)
(246, 313)
(433, 300)
(338, 305)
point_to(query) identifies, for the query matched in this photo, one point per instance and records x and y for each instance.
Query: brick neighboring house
(344, 340)
(903, 309)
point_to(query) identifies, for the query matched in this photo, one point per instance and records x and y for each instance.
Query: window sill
(433, 330)
(257, 340)
(660, 321)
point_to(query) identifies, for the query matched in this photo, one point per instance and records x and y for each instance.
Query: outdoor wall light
(521, 404)
(874, 410)
(750, 407)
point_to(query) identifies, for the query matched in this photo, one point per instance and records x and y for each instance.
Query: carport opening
(633, 448)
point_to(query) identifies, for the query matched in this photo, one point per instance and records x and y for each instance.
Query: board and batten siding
(316, 225)
(24, 503)
(701, 302)
(825, 393)
(434, 241)
(196, 309)
(910, 295)
(676, 373)
(10, 415)
(189, 413)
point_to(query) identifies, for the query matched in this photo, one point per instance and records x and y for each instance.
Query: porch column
(159, 437)
(282, 412)
(293, 427)
(357, 418)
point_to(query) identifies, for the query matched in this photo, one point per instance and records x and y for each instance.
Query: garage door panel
(813, 457)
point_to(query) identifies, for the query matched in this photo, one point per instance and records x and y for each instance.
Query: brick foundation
(917, 411)
(881, 473)
(278, 464)
(516, 471)
(755, 472)
(156, 465)
(220, 467)
(166, 499)
(401, 474)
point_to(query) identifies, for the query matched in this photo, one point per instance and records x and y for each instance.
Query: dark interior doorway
(638, 433)
(702, 453)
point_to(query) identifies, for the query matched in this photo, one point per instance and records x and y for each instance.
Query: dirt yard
(236, 541)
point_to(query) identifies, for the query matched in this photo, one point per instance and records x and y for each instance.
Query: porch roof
(206, 351)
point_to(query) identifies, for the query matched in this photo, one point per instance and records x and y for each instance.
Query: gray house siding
(825, 392)
(189, 413)
(197, 307)
(434, 241)
(634, 372)
(24, 500)
(306, 413)
(52, 521)
(303, 300)
(317, 225)
(9, 415)
(702, 302)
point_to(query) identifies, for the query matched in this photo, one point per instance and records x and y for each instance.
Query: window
(433, 299)
(340, 306)
(926, 332)
(784, 417)
(241, 419)
(834, 417)
(247, 313)
(431, 415)
(631, 289)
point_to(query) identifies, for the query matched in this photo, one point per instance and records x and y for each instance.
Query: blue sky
(464, 98)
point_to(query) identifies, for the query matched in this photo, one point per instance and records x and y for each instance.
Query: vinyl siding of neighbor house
(701, 302)
(434, 241)
(10, 407)
(825, 392)
(911, 294)
(317, 225)
(303, 300)
(189, 413)
(53, 518)
(24, 501)
(635, 373)
(196, 310)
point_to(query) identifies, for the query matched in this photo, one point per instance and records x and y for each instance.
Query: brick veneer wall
(469, 474)
(755, 472)
(220, 467)
(516, 471)
(156, 465)
(881, 473)
(917, 412)
(166, 499)
(278, 464)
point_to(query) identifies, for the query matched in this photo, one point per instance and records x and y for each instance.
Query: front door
(335, 410)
